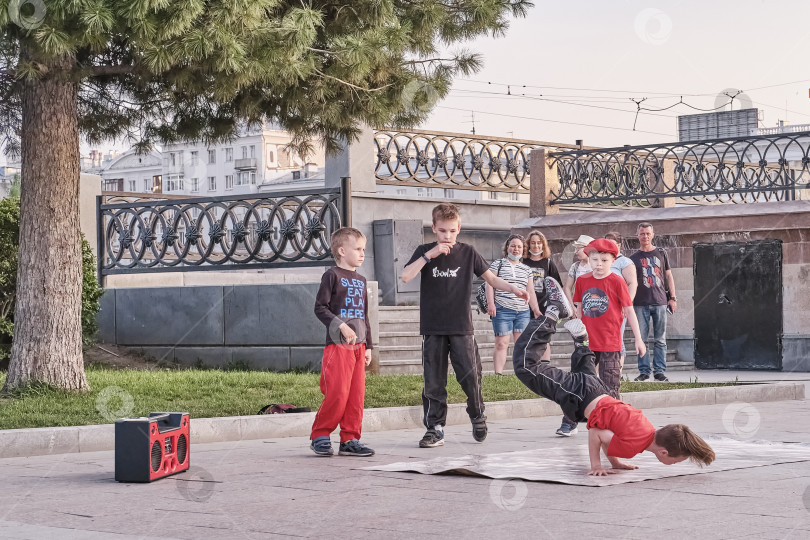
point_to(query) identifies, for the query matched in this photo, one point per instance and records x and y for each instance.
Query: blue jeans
(509, 321)
(658, 316)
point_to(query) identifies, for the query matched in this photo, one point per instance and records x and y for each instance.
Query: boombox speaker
(150, 448)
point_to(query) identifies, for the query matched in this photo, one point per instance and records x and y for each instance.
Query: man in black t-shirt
(445, 322)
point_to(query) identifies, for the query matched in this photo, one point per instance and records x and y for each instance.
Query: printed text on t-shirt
(354, 307)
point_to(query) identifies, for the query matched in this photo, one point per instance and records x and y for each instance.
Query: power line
(554, 121)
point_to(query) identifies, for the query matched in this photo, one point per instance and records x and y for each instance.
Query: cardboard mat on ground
(569, 464)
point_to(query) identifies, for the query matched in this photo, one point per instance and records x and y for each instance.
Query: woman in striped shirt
(510, 314)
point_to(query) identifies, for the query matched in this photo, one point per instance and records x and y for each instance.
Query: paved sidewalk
(278, 488)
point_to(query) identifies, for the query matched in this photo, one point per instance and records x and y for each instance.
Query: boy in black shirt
(341, 306)
(445, 316)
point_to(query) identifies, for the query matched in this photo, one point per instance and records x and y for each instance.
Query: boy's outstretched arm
(598, 441)
(630, 313)
(497, 283)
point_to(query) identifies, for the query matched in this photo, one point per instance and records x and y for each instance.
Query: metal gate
(738, 305)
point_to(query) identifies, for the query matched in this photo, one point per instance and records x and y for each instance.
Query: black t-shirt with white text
(446, 289)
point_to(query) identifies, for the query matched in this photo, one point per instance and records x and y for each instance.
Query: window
(513, 196)
(195, 184)
(172, 159)
(420, 192)
(212, 156)
(194, 158)
(244, 152)
(449, 193)
(431, 192)
(147, 185)
(228, 181)
(400, 191)
(253, 178)
(493, 195)
(174, 183)
(212, 183)
(296, 175)
(228, 155)
(132, 185)
(253, 150)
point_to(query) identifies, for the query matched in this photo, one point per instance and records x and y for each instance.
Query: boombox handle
(167, 421)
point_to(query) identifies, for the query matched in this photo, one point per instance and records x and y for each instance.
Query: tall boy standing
(602, 300)
(341, 305)
(445, 316)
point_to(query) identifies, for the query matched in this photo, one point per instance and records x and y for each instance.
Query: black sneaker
(432, 438)
(660, 377)
(556, 299)
(577, 329)
(322, 446)
(643, 377)
(479, 428)
(355, 448)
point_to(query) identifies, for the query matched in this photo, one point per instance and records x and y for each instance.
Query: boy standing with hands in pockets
(445, 322)
(341, 305)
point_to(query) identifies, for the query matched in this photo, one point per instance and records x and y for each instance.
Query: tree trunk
(47, 344)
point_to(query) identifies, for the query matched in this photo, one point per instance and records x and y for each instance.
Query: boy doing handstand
(614, 427)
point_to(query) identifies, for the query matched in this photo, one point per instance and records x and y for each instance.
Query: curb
(67, 440)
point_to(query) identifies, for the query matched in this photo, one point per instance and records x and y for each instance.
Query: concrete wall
(677, 229)
(267, 326)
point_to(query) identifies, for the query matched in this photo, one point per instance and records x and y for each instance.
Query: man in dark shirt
(655, 293)
(445, 316)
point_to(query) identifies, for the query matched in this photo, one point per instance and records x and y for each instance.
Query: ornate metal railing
(738, 170)
(453, 160)
(265, 230)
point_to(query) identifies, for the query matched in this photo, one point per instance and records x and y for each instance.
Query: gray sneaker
(643, 377)
(322, 446)
(566, 429)
(432, 438)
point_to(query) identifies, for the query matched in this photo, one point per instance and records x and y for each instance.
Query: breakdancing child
(614, 427)
(340, 304)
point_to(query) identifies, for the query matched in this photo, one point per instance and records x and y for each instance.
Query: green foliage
(213, 393)
(167, 70)
(91, 294)
(9, 243)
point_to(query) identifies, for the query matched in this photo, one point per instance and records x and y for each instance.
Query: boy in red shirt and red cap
(614, 427)
(602, 302)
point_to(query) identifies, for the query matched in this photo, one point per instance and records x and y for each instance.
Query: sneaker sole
(554, 288)
(322, 454)
(431, 445)
(567, 434)
(480, 439)
(355, 454)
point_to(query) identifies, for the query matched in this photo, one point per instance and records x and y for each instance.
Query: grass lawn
(211, 393)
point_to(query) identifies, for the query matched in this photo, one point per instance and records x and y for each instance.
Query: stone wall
(677, 229)
(270, 326)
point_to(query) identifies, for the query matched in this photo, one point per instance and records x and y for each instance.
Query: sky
(600, 55)
(597, 55)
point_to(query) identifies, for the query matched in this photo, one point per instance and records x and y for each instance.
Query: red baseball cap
(603, 245)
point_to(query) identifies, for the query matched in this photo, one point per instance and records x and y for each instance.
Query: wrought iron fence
(452, 160)
(265, 230)
(738, 170)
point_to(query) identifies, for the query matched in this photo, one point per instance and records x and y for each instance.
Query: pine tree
(155, 71)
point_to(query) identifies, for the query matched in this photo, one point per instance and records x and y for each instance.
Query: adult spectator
(538, 258)
(579, 267)
(510, 314)
(655, 292)
(625, 269)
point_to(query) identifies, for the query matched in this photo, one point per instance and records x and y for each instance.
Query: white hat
(583, 241)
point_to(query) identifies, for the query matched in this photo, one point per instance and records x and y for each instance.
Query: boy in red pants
(341, 305)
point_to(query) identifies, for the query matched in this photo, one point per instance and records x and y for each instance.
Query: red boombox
(149, 448)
